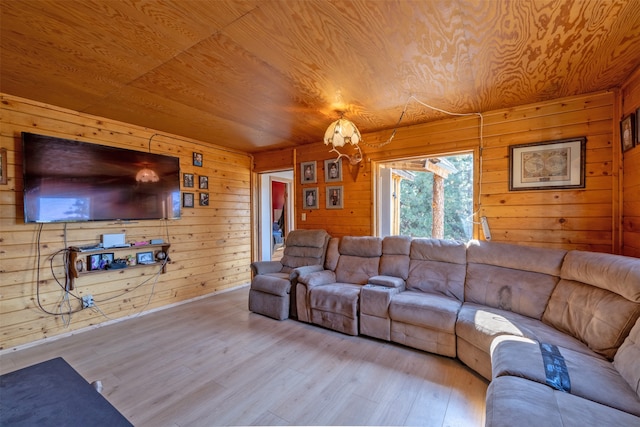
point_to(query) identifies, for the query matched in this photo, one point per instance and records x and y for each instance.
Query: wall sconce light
(340, 133)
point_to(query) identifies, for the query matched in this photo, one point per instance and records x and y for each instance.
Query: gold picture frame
(549, 165)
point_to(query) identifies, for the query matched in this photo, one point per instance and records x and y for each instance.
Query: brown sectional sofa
(556, 332)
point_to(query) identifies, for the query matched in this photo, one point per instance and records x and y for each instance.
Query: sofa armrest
(298, 271)
(317, 278)
(389, 282)
(265, 267)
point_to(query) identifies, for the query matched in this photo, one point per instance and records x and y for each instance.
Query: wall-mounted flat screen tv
(72, 181)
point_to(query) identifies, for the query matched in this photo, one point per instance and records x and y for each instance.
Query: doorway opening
(276, 213)
(427, 197)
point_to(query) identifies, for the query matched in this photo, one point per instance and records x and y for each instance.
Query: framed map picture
(547, 165)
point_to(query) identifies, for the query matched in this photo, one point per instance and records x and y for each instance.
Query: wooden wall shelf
(78, 269)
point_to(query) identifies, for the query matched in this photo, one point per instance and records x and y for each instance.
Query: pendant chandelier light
(340, 133)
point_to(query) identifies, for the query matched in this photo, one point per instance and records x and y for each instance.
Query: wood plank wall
(631, 178)
(571, 219)
(210, 245)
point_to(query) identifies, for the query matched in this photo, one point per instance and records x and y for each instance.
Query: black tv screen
(71, 181)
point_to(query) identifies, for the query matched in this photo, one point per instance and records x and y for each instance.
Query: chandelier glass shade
(342, 132)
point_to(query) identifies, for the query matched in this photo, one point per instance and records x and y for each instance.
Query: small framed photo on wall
(3, 165)
(187, 180)
(204, 199)
(638, 127)
(197, 159)
(335, 198)
(203, 182)
(187, 200)
(628, 132)
(308, 173)
(333, 170)
(310, 198)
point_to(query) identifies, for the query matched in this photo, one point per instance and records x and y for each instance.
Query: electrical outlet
(87, 301)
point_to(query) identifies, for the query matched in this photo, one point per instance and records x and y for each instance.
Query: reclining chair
(274, 282)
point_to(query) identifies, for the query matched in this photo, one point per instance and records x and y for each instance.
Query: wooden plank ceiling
(261, 74)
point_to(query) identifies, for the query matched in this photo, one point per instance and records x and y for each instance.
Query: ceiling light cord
(481, 138)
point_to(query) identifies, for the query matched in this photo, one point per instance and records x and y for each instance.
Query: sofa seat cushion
(338, 298)
(433, 311)
(272, 283)
(480, 325)
(513, 401)
(591, 376)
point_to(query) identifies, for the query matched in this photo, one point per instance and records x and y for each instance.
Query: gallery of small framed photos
(334, 194)
(189, 181)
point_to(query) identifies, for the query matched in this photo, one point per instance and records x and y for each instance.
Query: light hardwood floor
(212, 362)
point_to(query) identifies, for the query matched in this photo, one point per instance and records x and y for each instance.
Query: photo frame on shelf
(197, 159)
(203, 182)
(628, 132)
(335, 197)
(204, 199)
(558, 164)
(144, 258)
(308, 173)
(99, 261)
(187, 200)
(310, 198)
(187, 180)
(3, 166)
(333, 170)
(93, 262)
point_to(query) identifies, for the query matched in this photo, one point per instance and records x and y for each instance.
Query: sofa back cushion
(597, 299)
(304, 247)
(359, 259)
(395, 256)
(512, 277)
(615, 273)
(437, 266)
(627, 359)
